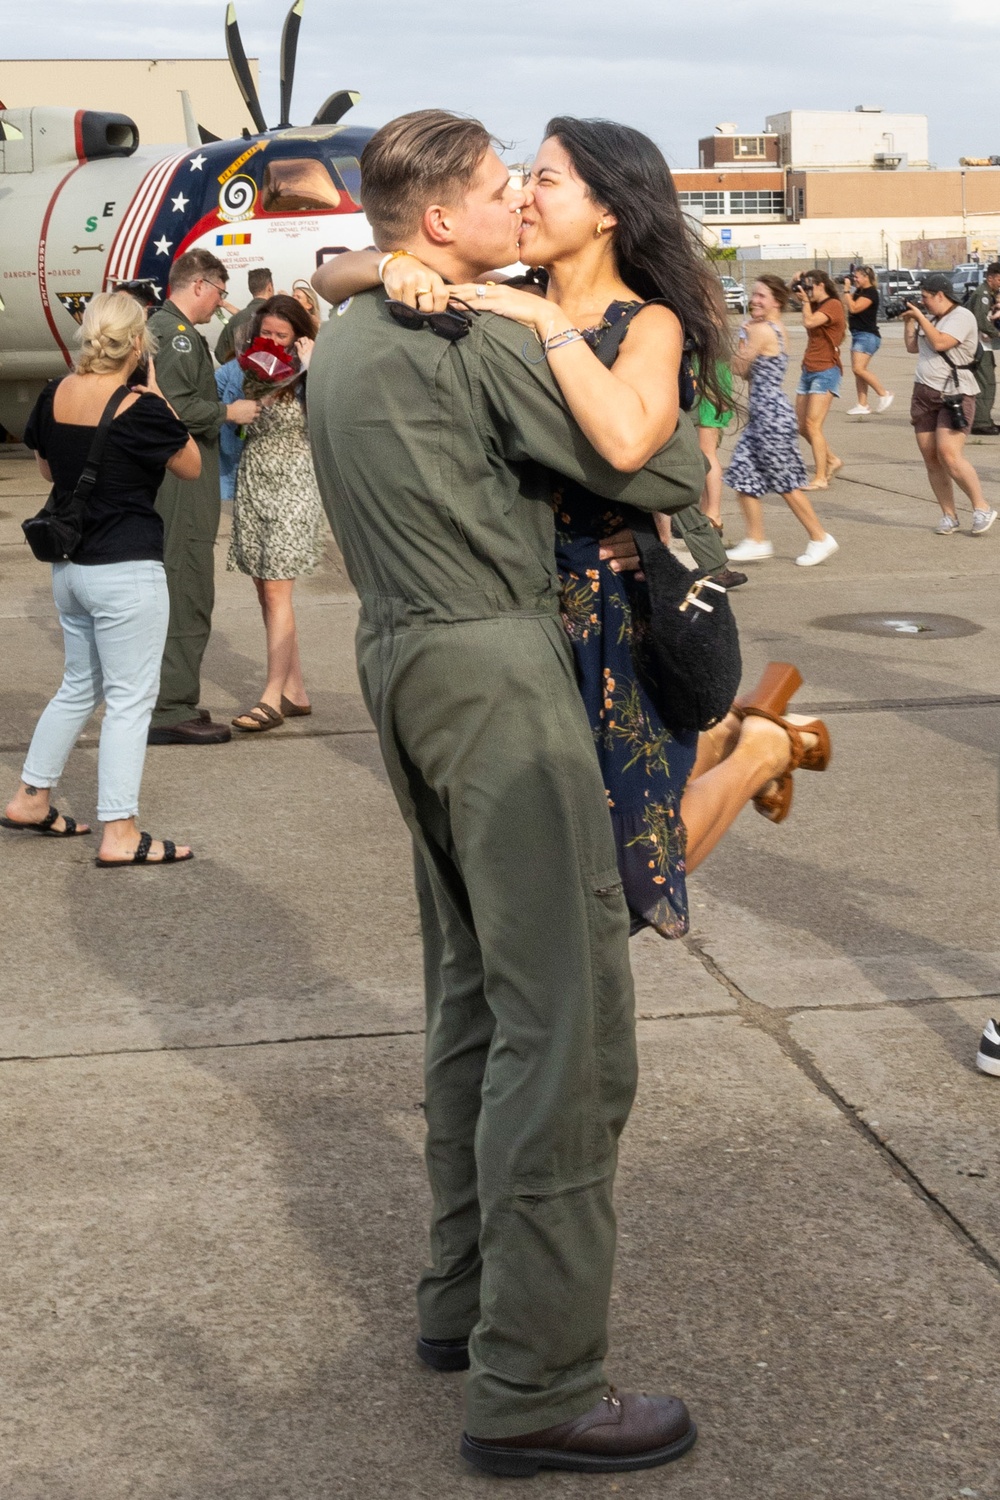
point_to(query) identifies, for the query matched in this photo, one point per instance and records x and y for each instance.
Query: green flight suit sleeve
(225, 347)
(523, 414)
(982, 305)
(185, 375)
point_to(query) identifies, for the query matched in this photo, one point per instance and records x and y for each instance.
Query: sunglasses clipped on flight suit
(450, 325)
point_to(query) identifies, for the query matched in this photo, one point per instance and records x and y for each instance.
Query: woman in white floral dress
(277, 513)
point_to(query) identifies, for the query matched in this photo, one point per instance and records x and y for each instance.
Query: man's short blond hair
(429, 156)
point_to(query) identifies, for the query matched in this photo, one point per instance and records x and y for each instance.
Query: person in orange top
(824, 321)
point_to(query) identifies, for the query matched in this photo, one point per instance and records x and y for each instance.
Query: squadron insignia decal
(75, 303)
(237, 197)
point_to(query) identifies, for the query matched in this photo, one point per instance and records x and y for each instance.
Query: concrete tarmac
(210, 1076)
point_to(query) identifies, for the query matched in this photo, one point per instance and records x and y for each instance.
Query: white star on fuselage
(197, 162)
(163, 245)
(180, 203)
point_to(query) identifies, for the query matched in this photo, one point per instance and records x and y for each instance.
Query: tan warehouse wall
(895, 195)
(144, 89)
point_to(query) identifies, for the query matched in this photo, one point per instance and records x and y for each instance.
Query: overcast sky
(671, 67)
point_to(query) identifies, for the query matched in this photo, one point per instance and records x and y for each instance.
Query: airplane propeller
(332, 110)
(289, 46)
(241, 69)
(336, 107)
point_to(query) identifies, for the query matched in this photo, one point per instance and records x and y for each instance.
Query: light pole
(965, 234)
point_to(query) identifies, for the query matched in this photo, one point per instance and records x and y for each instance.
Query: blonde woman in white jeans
(112, 597)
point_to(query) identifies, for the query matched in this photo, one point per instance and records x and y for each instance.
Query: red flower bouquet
(268, 366)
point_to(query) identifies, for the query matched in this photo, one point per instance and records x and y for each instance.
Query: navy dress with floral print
(606, 615)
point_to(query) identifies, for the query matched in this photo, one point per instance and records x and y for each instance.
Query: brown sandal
(294, 710)
(779, 683)
(262, 716)
(774, 801)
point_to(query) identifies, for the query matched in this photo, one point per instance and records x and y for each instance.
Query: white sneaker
(860, 411)
(988, 1056)
(884, 402)
(947, 526)
(818, 552)
(748, 551)
(982, 520)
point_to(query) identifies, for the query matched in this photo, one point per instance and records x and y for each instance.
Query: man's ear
(438, 224)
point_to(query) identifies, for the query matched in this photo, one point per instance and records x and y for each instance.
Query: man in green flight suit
(982, 304)
(186, 376)
(429, 456)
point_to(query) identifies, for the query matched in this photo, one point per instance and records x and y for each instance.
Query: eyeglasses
(220, 289)
(447, 325)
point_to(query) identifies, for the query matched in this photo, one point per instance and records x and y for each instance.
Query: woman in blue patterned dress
(603, 218)
(767, 460)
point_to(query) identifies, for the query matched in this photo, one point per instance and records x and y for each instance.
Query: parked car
(964, 278)
(735, 294)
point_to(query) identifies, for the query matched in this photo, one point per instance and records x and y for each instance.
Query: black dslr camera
(953, 405)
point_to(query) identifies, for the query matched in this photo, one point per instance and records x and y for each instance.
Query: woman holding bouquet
(277, 512)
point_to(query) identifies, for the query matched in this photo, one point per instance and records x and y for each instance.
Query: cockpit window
(346, 172)
(298, 184)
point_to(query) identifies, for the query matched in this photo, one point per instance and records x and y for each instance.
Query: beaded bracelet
(553, 341)
(557, 340)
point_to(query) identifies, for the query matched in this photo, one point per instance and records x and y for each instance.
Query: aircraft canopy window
(298, 184)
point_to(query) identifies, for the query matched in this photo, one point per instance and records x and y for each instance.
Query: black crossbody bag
(693, 666)
(55, 533)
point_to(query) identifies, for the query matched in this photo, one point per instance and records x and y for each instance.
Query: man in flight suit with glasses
(186, 376)
(429, 450)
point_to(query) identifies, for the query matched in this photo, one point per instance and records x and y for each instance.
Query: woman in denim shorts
(862, 297)
(824, 322)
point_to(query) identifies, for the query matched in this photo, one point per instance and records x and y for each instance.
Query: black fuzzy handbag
(691, 664)
(57, 530)
(690, 660)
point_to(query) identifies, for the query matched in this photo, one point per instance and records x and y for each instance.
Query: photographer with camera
(945, 337)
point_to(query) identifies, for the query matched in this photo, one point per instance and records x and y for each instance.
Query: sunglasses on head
(447, 325)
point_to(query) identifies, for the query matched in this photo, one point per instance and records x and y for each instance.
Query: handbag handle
(88, 474)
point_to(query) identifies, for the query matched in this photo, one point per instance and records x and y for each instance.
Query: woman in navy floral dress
(646, 768)
(603, 218)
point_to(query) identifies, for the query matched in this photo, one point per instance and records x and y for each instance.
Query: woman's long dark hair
(656, 252)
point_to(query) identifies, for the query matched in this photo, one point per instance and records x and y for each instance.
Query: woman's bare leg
(812, 413)
(712, 802)
(937, 474)
(282, 641)
(711, 495)
(951, 453)
(753, 516)
(714, 745)
(864, 379)
(802, 509)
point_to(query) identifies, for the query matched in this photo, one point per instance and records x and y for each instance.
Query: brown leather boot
(626, 1431)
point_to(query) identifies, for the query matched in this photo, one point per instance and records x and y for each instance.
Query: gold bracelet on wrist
(385, 261)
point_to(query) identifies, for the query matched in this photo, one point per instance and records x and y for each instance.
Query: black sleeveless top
(120, 524)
